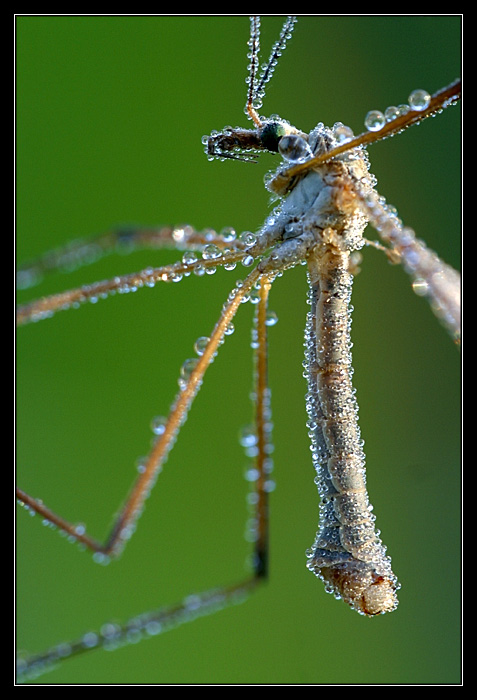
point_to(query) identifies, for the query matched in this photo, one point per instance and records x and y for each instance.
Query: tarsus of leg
(143, 626)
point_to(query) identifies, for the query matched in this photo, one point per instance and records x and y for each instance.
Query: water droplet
(343, 133)
(420, 287)
(374, 120)
(127, 532)
(141, 465)
(89, 640)
(179, 234)
(419, 100)
(192, 602)
(248, 436)
(153, 627)
(185, 373)
(158, 425)
(391, 113)
(252, 474)
(271, 318)
(211, 251)
(100, 558)
(248, 238)
(110, 631)
(228, 234)
(254, 296)
(189, 258)
(133, 636)
(295, 148)
(268, 179)
(403, 109)
(201, 344)
(199, 270)
(188, 367)
(247, 261)
(230, 329)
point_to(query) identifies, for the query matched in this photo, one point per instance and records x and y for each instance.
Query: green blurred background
(110, 113)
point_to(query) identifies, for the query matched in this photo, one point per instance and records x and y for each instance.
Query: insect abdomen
(347, 553)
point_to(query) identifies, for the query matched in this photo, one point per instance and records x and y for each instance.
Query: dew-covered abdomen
(347, 553)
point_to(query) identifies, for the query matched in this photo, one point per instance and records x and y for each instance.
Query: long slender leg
(143, 626)
(438, 101)
(198, 605)
(263, 428)
(47, 306)
(124, 523)
(87, 251)
(431, 277)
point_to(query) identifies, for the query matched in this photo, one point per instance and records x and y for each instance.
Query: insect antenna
(256, 91)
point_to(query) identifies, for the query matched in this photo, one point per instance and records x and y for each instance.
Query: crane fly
(285, 244)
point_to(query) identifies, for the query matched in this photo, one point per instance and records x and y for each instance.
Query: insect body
(321, 222)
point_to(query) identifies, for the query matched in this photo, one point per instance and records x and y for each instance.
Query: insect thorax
(323, 198)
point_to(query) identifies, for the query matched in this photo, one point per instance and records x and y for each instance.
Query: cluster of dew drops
(375, 120)
(211, 251)
(418, 100)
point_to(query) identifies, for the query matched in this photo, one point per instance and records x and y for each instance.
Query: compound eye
(294, 148)
(270, 134)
